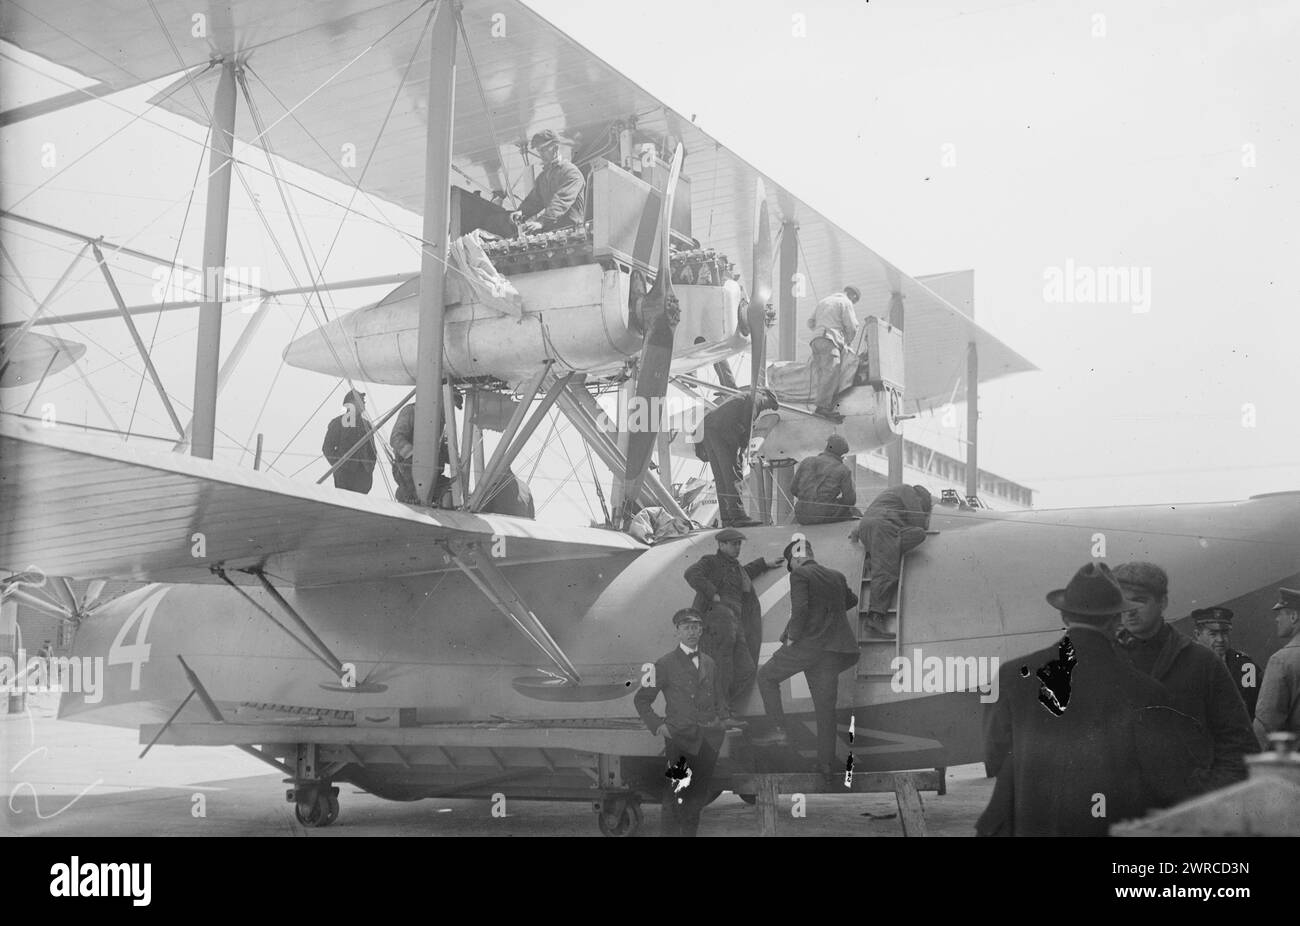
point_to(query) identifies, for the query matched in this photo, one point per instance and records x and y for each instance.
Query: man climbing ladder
(894, 523)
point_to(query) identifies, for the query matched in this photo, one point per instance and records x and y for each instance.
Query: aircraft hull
(443, 653)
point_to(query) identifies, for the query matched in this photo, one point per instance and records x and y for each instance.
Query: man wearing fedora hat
(1079, 740)
(557, 199)
(1199, 683)
(1214, 632)
(357, 474)
(691, 727)
(1279, 695)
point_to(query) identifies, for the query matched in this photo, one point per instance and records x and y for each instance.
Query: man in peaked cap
(733, 620)
(558, 198)
(1199, 683)
(1214, 631)
(823, 486)
(691, 727)
(1078, 739)
(1279, 695)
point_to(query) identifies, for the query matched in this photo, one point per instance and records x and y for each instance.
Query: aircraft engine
(576, 315)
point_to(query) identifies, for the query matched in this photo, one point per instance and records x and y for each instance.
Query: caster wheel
(331, 810)
(620, 820)
(317, 807)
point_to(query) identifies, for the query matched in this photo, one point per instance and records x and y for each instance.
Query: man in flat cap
(1214, 631)
(823, 486)
(357, 474)
(894, 522)
(1199, 683)
(1279, 695)
(818, 642)
(558, 198)
(690, 726)
(1078, 739)
(834, 327)
(733, 620)
(725, 432)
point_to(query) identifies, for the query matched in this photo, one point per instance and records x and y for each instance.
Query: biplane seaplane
(423, 651)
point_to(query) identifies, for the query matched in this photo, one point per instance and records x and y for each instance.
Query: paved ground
(72, 779)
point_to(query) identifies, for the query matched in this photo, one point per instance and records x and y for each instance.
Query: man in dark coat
(894, 522)
(725, 432)
(823, 486)
(817, 642)
(690, 726)
(733, 620)
(1198, 682)
(1214, 632)
(1078, 739)
(357, 474)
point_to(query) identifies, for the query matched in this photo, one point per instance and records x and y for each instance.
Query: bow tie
(694, 657)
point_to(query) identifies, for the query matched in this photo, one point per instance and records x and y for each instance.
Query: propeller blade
(659, 313)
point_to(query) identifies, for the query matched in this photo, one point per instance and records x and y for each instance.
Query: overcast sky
(1153, 140)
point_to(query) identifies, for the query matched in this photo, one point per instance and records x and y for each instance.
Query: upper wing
(340, 65)
(91, 508)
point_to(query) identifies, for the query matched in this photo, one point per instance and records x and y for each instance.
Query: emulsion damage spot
(1054, 692)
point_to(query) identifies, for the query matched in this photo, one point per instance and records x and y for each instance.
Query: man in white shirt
(834, 326)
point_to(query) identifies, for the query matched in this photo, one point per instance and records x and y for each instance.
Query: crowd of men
(1121, 716)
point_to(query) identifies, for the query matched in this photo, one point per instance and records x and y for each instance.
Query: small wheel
(331, 809)
(621, 820)
(316, 807)
(309, 811)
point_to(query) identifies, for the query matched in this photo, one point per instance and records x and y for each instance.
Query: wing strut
(491, 581)
(316, 647)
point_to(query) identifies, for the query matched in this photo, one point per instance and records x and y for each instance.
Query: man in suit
(1198, 682)
(1078, 739)
(733, 619)
(357, 474)
(1214, 632)
(1279, 696)
(894, 522)
(817, 642)
(691, 727)
(725, 432)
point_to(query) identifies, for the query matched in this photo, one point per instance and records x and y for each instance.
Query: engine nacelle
(577, 316)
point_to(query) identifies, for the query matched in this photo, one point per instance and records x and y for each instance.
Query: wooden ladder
(875, 653)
